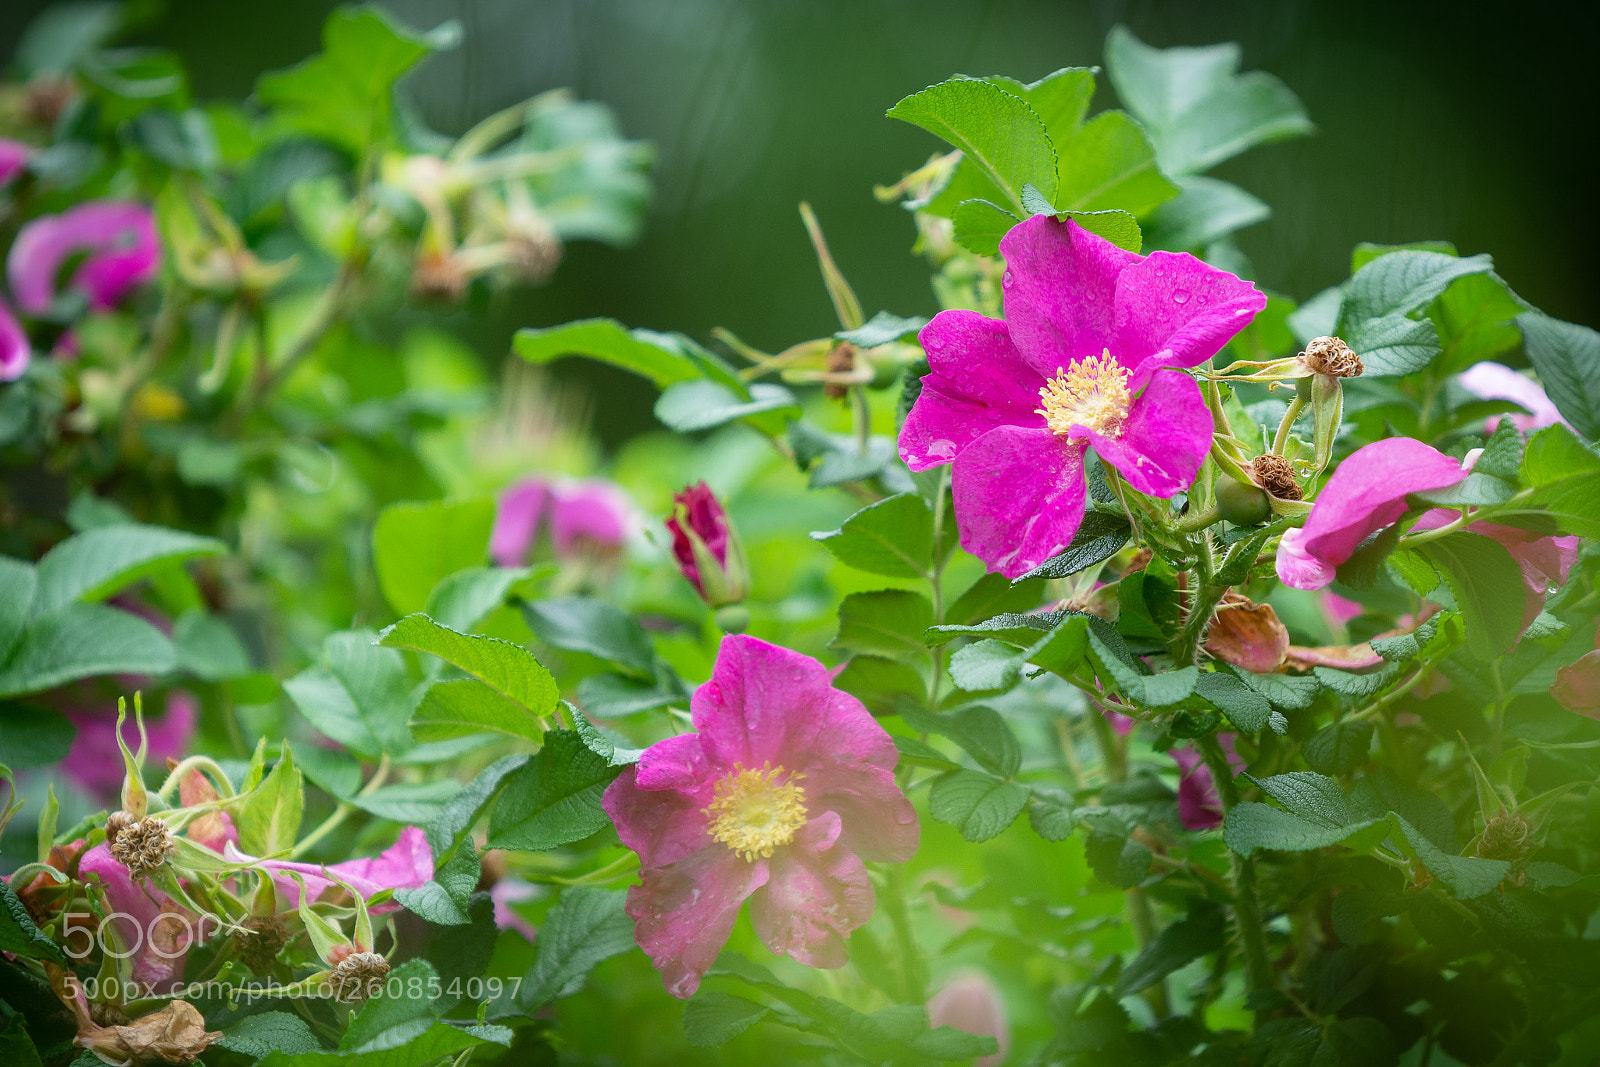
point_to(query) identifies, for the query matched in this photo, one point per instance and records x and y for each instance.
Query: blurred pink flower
(787, 785)
(1544, 561)
(406, 864)
(1494, 381)
(589, 517)
(1577, 685)
(15, 351)
(970, 1002)
(1366, 493)
(506, 892)
(1092, 352)
(1199, 805)
(1339, 608)
(13, 157)
(95, 762)
(120, 246)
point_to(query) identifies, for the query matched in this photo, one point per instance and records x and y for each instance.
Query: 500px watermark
(130, 937)
(412, 987)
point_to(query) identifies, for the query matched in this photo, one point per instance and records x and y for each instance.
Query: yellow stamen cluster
(752, 812)
(1093, 394)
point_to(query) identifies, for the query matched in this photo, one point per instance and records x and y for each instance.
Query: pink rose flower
(1494, 381)
(1086, 355)
(787, 785)
(588, 517)
(15, 351)
(406, 864)
(1365, 494)
(120, 246)
(970, 1002)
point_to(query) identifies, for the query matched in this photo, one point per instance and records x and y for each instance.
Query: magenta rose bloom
(517, 522)
(160, 943)
(1366, 493)
(1087, 355)
(15, 351)
(1199, 804)
(787, 785)
(590, 517)
(1495, 381)
(117, 238)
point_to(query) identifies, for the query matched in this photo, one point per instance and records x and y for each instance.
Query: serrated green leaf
(1099, 537)
(889, 622)
(702, 404)
(977, 804)
(979, 225)
(711, 1018)
(81, 640)
(465, 706)
(997, 132)
(554, 799)
(96, 563)
(1488, 588)
(415, 804)
(595, 628)
(1108, 164)
(1567, 357)
(358, 695)
(586, 927)
(1050, 813)
(1339, 748)
(1201, 934)
(462, 600)
(268, 817)
(1562, 472)
(893, 537)
(994, 594)
(19, 934)
(415, 546)
(1247, 709)
(507, 668)
(268, 1032)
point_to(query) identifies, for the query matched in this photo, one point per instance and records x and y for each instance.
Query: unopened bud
(1505, 837)
(707, 548)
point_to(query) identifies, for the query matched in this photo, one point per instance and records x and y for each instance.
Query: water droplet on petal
(1007, 281)
(1180, 296)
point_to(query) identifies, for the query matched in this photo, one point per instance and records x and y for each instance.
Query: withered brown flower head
(259, 941)
(143, 845)
(117, 822)
(1505, 837)
(1275, 474)
(841, 360)
(1331, 356)
(358, 976)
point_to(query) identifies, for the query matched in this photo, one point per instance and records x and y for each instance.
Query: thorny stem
(1246, 912)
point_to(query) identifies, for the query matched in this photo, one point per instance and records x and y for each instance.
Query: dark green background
(1470, 124)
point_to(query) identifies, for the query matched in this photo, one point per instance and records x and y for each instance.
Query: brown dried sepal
(1248, 635)
(841, 360)
(1331, 356)
(176, 1034)
(141, 845)
(1276, 475)
(359, 976)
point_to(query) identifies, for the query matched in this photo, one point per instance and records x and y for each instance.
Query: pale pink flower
(970, 1002)
(406, 864)
(1494, 381)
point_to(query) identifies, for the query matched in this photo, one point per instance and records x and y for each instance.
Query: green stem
(1203, 601)
(863, 418)
(1246, 912)
(914, 968)
(1199, 520)
(1281, 441)
(341, 812)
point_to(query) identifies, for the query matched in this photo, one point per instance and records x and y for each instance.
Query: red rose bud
(1577, 686)
(706, 548)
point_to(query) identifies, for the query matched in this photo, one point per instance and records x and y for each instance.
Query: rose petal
(516, 522)
(976, 381)
(685, 911)
(1060, 291)
(1164, 440)
(1495, 381)
(1368, 492)
(815, 895)
(662, 825)
(1019, 497)
(1175, 311)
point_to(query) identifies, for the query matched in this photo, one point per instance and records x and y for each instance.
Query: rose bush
(1125, 663)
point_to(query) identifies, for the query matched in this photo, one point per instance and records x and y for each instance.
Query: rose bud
(706, 547)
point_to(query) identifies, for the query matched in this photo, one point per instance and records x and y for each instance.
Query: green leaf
(711, 1018)
(1197, 108)
(1099, 537)
(979, 730)
(462, 600)
(345, 94)
(660, 357)
(462, 811)
(883, 328)
(1340, 747)
(446, 897)
(1050, 813)
(207, 647)
(1567, 357)
(413, 803)
(1488, 588)
(1115, 225)
(19, 934)
(268, 1032)
(889, 622)
(1107, 163)
(1562, 470)
(997, 132)
(1205, 931)
(553, 799)
(612, 696)
(689, 407)
(984, 666)
(1467, 877)
(994, 594)
(1284, 690)
(892, 537)
(587, 926)
(18, 580)
(1380, 296)
(1205, 210)
(506, 667)
(1060, 99)
(416, 545)
(878, 682)
(1403, 647)
(466, 705)
(1356, 685)
(1316, 814)
(268, 817)
(977, 804)
(33, 737)
(82, 641)
(979, 225)
(1247, 709)
(96, 563)
(593, 627)
(358, 695)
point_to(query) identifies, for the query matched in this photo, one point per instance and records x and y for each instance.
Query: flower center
(753, 812)
(1093, 394)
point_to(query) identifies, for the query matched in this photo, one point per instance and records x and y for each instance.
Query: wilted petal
(816, 893)
(1019, 495)
(685, 911)
(976, 381)
(1248, 635)
(1165, 438)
